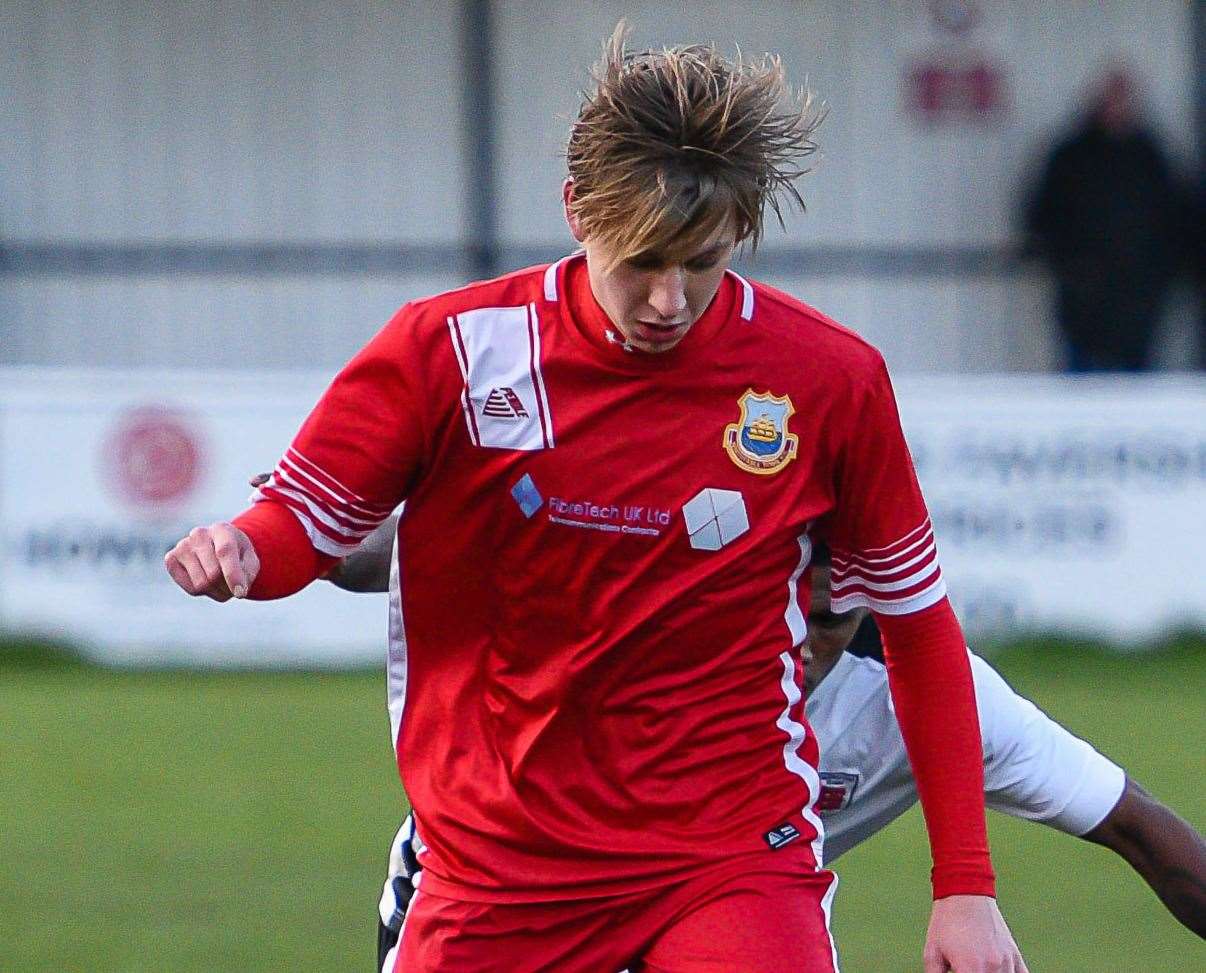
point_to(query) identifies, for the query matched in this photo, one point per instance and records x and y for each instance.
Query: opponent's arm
(1165, 850)
(367, 569)
(1036, 769)
(400, 881)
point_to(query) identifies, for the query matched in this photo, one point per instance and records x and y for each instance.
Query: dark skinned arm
(1166, 851)
(367, 569)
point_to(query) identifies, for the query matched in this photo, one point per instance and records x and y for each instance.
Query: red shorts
(772, 918)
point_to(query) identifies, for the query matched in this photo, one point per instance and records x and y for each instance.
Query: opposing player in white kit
(1033, 768)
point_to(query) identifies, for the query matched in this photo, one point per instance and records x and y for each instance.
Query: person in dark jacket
(1106, 217)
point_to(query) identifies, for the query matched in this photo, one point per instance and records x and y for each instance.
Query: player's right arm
(217, 561)
(367, 569)
(351, 464)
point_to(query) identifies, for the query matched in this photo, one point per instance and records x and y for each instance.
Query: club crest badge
(759, 441)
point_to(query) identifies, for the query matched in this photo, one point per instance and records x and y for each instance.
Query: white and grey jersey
(1033, 767)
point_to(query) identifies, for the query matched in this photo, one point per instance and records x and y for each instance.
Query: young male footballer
(614, 470)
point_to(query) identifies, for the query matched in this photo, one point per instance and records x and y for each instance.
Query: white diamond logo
(714, 518)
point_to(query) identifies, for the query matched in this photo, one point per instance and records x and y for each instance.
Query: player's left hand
(968, 935)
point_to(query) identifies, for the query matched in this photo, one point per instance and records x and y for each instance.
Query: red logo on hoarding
(153, 458)
(945, 90)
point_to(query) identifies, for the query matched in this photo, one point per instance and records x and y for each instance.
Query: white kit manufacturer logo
(714, 518)
(503, 396)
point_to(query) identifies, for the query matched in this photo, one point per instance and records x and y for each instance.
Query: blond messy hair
(671, 142)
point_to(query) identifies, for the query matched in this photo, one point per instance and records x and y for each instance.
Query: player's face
(828, 632)
(655, 297)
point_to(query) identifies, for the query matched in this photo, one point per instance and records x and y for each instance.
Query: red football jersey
(601, 583)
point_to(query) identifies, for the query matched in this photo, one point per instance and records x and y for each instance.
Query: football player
(614, 468)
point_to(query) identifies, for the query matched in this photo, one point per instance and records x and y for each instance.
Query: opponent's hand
(217, 561)
(968, 935)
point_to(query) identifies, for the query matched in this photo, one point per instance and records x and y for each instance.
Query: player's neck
(589, 320)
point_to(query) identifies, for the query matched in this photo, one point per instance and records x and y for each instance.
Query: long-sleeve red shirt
(601, 583)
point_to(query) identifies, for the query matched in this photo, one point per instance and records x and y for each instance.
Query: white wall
(227, 321)
(176, 120)
(319, 123)
(882, 177)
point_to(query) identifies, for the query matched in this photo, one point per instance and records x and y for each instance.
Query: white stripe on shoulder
(348, 533)
(546, 414)
(747, 297)
(884, 587)
(292, 478)
(318, 540)
(349, 495)
(457, 350)
(550, 278)
(897, 547)
(843, 567)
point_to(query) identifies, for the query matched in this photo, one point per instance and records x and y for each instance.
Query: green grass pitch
(239, 822)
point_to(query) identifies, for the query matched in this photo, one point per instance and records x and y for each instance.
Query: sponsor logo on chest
(713, 518)
(614, 518)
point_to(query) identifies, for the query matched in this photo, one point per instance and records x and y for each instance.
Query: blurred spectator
(1106, 217)
(1196, 238)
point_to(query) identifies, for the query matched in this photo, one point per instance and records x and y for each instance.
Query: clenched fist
(968, 935)
(217, 561)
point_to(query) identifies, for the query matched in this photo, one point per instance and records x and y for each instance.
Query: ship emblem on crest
(759, 440)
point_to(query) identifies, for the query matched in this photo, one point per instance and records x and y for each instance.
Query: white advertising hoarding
(1065, 503)
(1068, 504)
(101, 472)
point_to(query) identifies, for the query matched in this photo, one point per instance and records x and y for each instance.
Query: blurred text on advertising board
(1060, 504)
